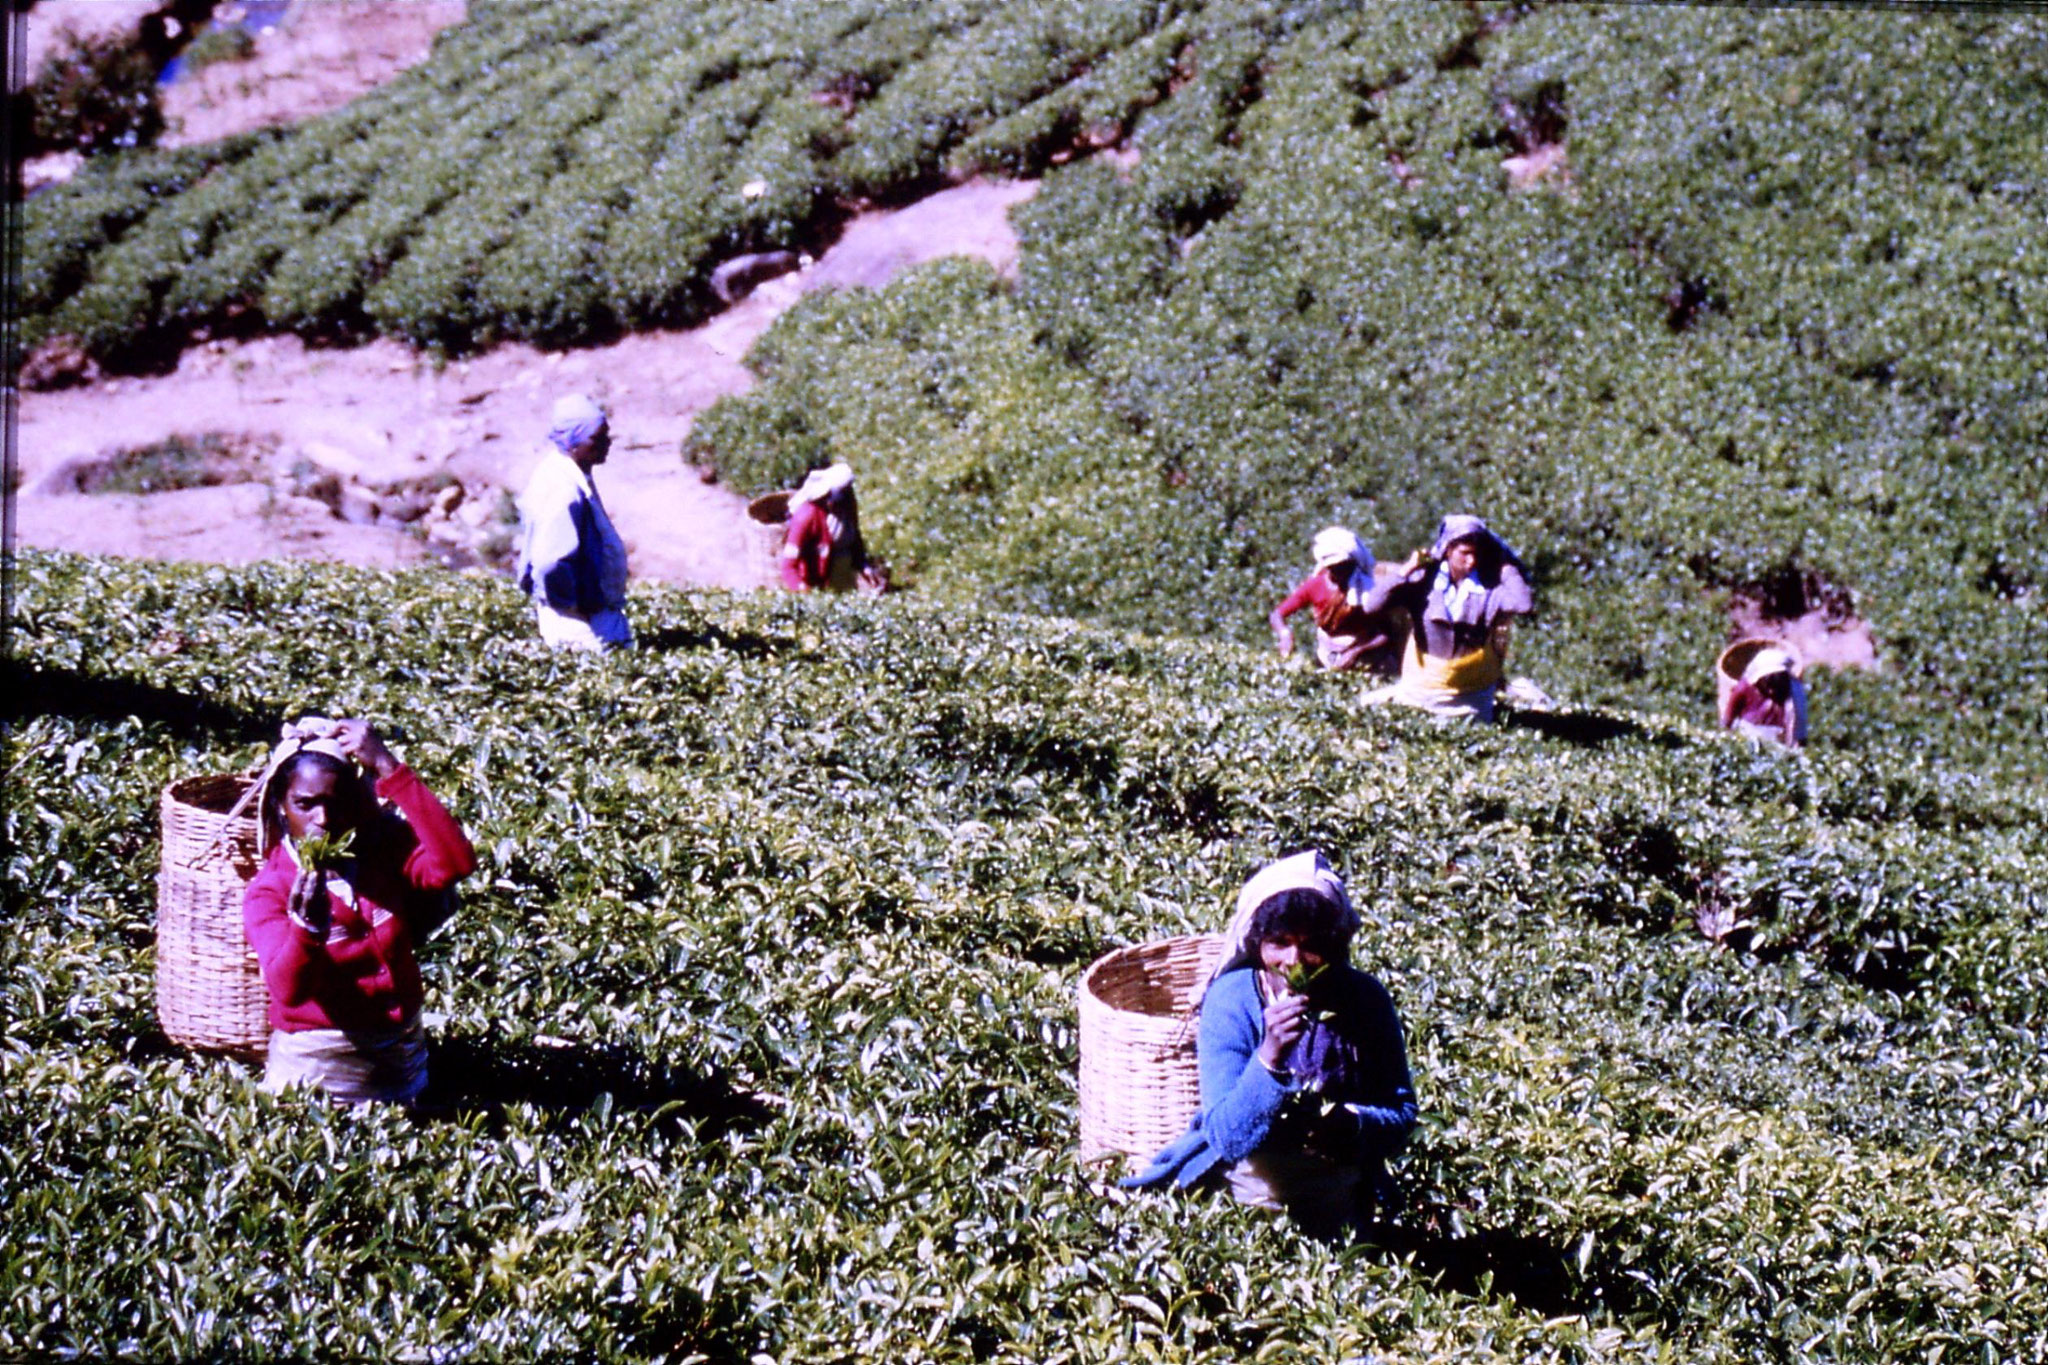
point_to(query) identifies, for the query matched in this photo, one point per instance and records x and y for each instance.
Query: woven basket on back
(1139, 1086)
(209, 986)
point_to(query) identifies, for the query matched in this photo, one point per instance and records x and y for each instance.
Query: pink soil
(52, 21)
(1817, 638)
(378, 415)
(325, 56)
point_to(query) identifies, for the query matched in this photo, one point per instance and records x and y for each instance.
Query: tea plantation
(757, 1031)
(1769, 329)
(757, 1034)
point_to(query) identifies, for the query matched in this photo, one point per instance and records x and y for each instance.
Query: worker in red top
(345, 891)
(1346, 635)
(1768, 701)
(821, 547)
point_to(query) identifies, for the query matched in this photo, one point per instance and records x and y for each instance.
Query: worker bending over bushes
(1304, 1077)
(346, 889)
(1768, 702)
(822, 546)
(1347, 636)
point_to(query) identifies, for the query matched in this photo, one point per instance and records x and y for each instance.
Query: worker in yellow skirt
(1461, 596)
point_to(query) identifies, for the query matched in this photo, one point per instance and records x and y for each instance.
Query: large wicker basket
(1139, 1085)
(209, 986)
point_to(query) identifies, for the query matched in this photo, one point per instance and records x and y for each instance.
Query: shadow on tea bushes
(68, 692)
(485, 1074)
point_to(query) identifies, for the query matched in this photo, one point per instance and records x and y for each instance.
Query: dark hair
(288, 771)
(1318, 921)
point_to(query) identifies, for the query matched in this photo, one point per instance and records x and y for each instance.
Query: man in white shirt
(571, 560)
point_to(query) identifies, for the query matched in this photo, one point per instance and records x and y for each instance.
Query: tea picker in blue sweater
(1304, 1076)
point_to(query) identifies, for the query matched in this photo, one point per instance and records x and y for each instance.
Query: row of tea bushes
(1739, 350)
(757, 1021)
(557, 171)
(1771, 335)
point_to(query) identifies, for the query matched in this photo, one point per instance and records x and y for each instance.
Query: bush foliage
(1775, 335)
(756, 1030)
(1772, 338)
(90, 95)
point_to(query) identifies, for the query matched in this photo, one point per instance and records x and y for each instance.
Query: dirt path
(327, 54)
(392, 430)
(352, 453)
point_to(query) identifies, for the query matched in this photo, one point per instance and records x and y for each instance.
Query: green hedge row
(557, 171)
(854, 856)
(1773, 337)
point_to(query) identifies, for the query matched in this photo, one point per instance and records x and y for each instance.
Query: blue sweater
(570, 556)
(1241, 1099)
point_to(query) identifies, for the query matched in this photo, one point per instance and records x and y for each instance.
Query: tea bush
(755, 1033)
(1772, 336)
(556, 171)
(91, 94)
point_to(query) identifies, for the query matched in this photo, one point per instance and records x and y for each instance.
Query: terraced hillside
(757, 1024)
(1698, 306)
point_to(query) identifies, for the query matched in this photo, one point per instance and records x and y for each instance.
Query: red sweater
(364, 976)
(810, 535)
(1377, 633)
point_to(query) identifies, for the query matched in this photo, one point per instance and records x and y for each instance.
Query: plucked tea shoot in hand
(325, 852)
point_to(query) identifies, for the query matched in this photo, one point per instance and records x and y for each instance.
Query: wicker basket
(209, 986)
(1139, 1086)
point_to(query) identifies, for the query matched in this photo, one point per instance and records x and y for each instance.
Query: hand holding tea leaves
(319, 854)
(1285, 1019)
(309, 905)
(1300, 976)
(324, 852)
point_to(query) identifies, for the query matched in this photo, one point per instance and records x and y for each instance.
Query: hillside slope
(1701, 307)
(853, 857)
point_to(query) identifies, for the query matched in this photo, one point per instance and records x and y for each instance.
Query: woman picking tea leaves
(1304, 1076)
(347, 887)
(1461, 597)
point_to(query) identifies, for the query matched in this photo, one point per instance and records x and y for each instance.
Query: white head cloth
(1308, 870)
(820, 484)
(1335, 545)
(575, 422)
(1766, 662)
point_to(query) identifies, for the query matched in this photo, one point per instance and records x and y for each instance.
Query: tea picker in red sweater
(347, 887)
(822, 549)
(1347, 636)
(1769, 701)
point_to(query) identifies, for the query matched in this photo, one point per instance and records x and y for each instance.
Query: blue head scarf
(576, 421)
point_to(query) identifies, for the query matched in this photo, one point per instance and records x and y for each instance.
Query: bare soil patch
(1813, 621)
(364, 444)
(320, 58)
(52, 22)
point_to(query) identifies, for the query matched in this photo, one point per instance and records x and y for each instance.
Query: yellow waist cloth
(1468, 672)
